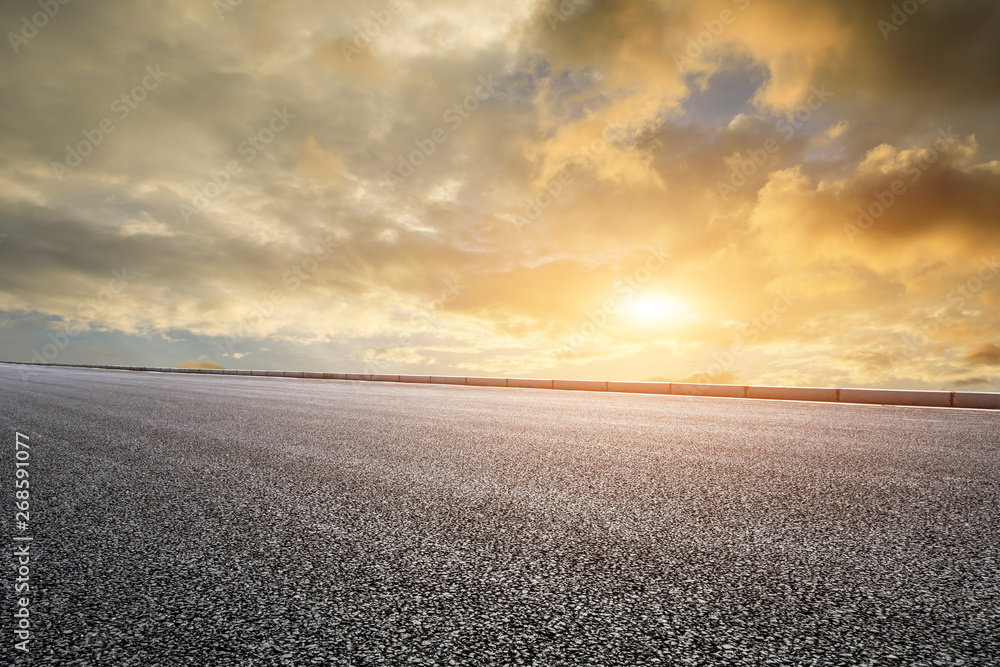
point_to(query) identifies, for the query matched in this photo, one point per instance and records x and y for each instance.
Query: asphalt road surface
(200, 520)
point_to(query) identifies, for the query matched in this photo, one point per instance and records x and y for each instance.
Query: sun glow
(656, 309)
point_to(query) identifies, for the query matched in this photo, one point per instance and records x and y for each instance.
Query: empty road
(217, 520)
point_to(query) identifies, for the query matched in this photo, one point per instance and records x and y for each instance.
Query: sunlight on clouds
(441, 29)
(521, 242)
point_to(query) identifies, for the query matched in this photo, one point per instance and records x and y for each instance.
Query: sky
(743, 191)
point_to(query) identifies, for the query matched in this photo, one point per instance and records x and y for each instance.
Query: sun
(654, 309)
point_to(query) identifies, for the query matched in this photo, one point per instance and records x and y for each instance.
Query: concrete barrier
(715, 390)
(933, 399)
(448, 379)
(639, 387)
(415, 378)
(973, 399)
(942, 399)
(486, 382)
(580, 385)
(823, 394)
(529, 383)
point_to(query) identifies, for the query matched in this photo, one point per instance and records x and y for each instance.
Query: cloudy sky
(750, 191)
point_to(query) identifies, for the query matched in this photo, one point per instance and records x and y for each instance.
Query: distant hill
(199, 364)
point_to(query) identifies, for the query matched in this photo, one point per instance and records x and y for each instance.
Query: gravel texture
(217, 520)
